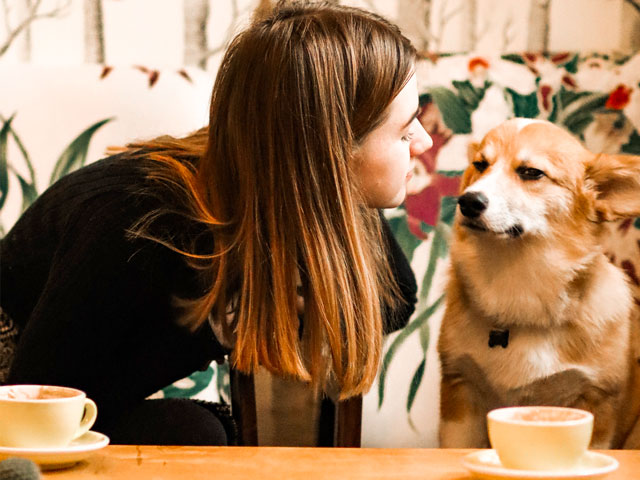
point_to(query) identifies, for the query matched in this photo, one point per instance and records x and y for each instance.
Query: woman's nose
(421, 140)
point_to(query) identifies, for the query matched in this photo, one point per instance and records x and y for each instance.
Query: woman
(259, 235)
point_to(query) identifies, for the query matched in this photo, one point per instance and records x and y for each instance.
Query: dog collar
(499, 337)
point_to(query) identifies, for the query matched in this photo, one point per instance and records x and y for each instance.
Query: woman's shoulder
(111, 194)
(123, 171)
(123, 179)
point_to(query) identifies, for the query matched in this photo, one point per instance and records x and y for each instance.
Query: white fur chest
(530, 354)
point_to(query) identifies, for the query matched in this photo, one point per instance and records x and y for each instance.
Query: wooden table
(119, 462)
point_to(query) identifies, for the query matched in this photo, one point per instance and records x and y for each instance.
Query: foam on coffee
(546, 415)
(44, 392)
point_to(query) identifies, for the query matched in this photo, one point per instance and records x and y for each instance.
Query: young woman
(260, 235)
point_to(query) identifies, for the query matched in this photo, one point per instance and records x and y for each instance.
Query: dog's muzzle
(472, 205)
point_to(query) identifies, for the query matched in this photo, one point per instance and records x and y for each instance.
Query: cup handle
(88, 417)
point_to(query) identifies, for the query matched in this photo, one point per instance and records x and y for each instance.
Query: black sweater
(94, 307)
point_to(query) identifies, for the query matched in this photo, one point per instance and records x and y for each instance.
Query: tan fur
(573, 326)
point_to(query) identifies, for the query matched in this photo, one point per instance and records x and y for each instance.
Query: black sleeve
(398, 317)
(105, 321)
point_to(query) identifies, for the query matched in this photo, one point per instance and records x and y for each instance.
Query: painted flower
(476, 62)
(552, 74)
(478, 70)
(478, 65)
(619, 98)
(427, 187)
(546, 92)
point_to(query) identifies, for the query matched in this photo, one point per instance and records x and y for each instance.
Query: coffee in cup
(43, 416)
(540, 438)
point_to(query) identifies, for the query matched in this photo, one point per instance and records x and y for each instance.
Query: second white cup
(540, 438)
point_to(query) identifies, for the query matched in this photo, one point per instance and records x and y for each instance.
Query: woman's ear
(616, 181)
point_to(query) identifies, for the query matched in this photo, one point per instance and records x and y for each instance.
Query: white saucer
(60, 457)
(485, 464)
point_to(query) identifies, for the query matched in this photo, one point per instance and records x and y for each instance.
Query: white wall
(151, 32)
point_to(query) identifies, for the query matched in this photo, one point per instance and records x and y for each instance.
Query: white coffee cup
(540, 438)
(43, 416)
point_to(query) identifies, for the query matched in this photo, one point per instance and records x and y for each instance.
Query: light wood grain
(119, 462)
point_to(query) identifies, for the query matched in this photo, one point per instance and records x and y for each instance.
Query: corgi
(536, 314)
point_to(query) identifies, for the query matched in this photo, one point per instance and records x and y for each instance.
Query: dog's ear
(616, 180)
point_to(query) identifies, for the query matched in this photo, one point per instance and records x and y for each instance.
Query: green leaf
(399, 340)
(424, 98)
(553, 116)
(29, 192)
(415, 383)
(575, 110)
(470, 95)
(426, 228)
(561, 101)
(448, 206)
(633, 145)
(525, 106)
(4, 163)
(515, 58)
(572, 65)
(580, 114)
(25, 155)
(445, 237)
(439, 248)
(453, 110)
(407, 240)
(566, 97)
(75, 155)
(425, 334)
(450, 173)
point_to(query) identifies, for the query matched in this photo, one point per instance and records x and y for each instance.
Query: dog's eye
(481, 165)
(529, 173)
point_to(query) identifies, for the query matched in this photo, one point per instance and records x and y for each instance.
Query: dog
(536, 314)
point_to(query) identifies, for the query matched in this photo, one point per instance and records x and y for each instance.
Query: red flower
(569, 81)
(561, 58)
(477, 62)
(619, 98)
(545, 93)
(424, 206)
(530, 60)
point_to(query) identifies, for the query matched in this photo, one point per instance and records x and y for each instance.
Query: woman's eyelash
(407, 137)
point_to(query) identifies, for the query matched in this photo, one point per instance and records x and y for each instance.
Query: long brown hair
(295, 94)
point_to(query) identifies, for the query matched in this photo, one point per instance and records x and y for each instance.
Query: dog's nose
(472, 204)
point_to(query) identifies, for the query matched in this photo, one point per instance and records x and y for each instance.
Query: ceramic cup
(43, 416)
(540, 438)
